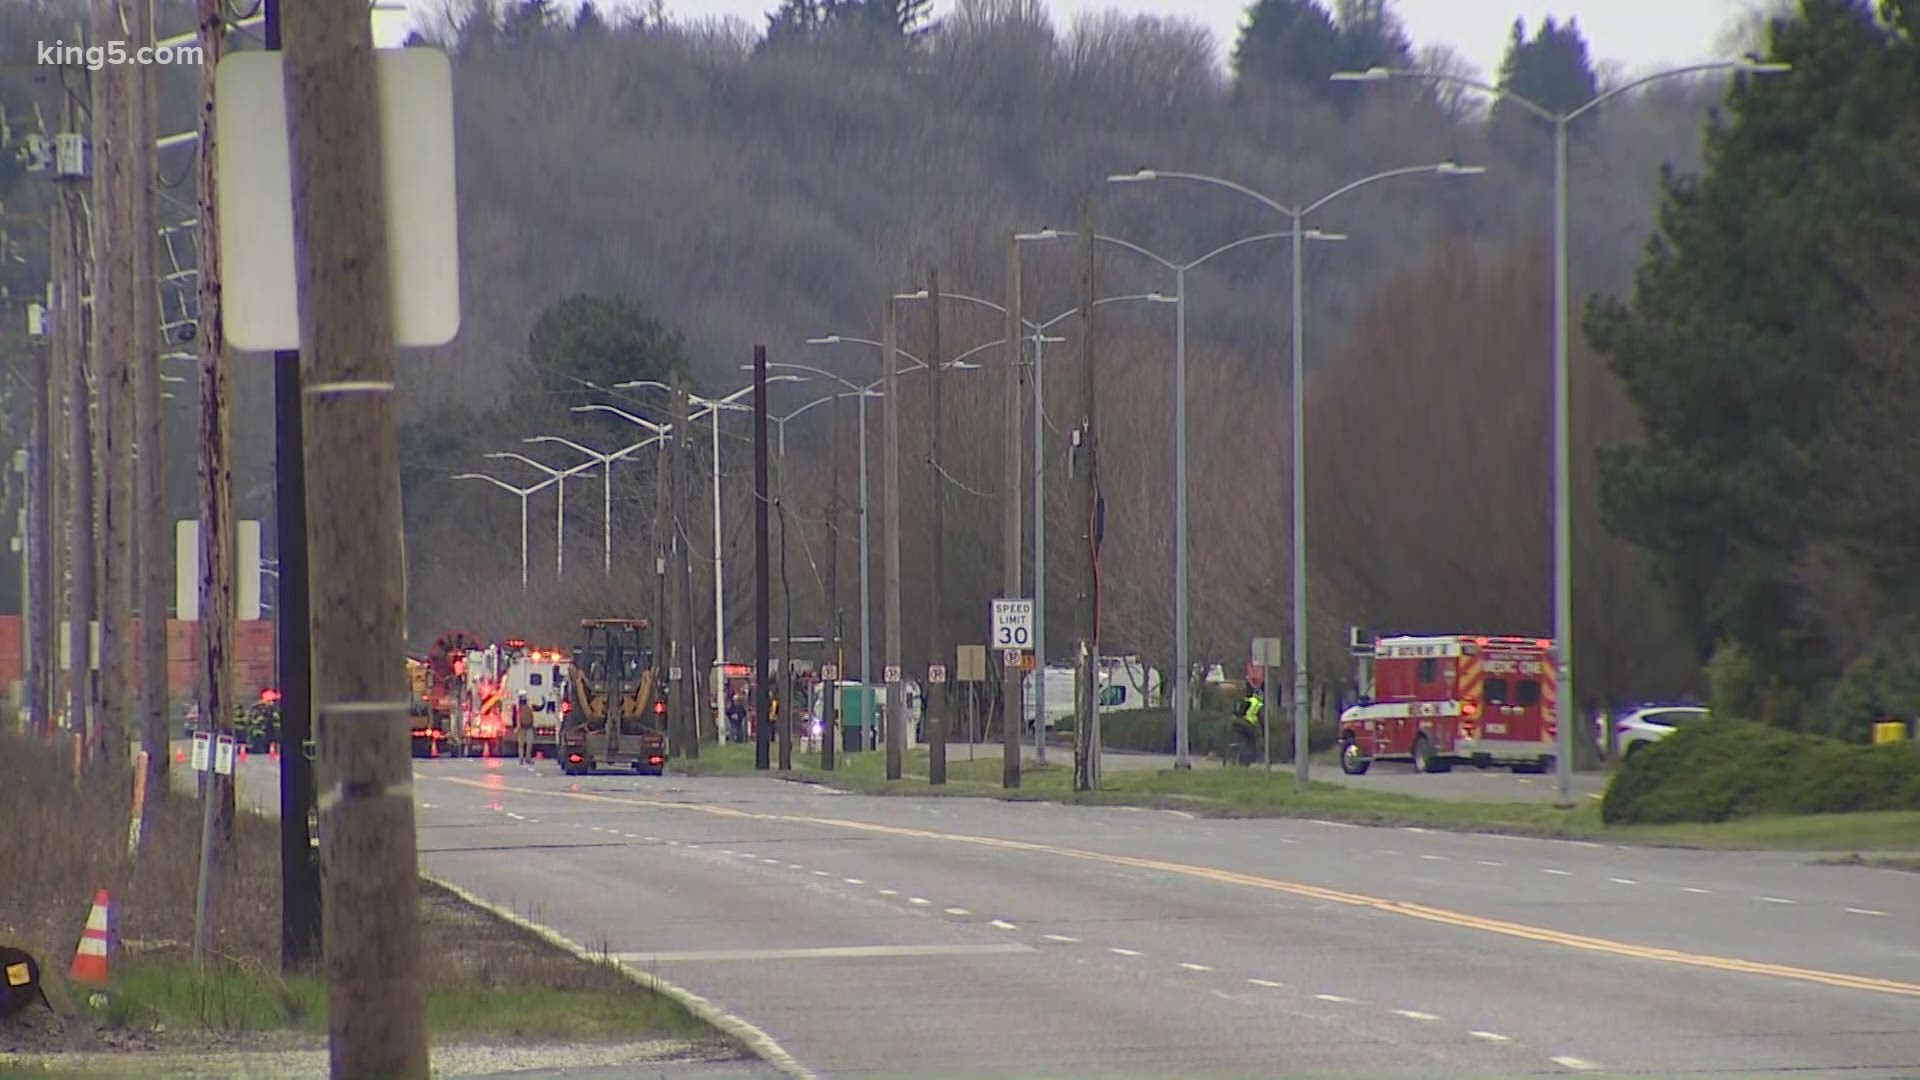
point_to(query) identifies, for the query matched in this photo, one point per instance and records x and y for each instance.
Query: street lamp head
(1322, 234)
(1454, 168)
(1372, 74)
(1137, 176)
(1762, 67)
(830, 339)
(963, 365)
(1157, 297)
(917, 294)
(641, 384)
(1043, 234)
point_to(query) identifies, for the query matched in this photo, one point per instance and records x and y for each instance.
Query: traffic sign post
(893, 673)
(937, 674)
(1270, 655)
(223, 755)
(202, 751)
(830, 672)
(1012, 624)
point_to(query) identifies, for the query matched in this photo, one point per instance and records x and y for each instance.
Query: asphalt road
(954, 938)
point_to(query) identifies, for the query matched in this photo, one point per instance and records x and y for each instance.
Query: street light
(1299, 234)
(523, 493)
(1181, 703)
(711, 406)
(1562, 380)
(559, 477)
(606, 503)
(1040, 340)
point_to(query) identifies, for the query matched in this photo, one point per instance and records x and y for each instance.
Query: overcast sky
(1638, 34)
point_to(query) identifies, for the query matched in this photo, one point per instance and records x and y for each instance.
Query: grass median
(61, 838)
(1237, 792)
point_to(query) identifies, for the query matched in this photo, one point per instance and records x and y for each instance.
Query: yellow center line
(1403, 908)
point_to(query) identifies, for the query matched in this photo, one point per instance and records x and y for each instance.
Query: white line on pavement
(889, 892)
(1336, 999)
(830, 952)
(1195, 967)
(1490, 1036)
(1558, 873)
(1412, 1014)
(919, 900)
(1576, 1064)
(853, 881)
(1863, 911)
(1123, 952)
(1434, 858)
(1490, 862)
(1061, 938)
(958, 911)
(1774, 900)
(1002, 924)
(1623, 881)
(1696, 891)
(1268, 983)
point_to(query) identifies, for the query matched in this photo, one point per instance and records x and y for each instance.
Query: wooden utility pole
(936, 640)
(83, 605)
(112, 321)
(41, 681)
(369, 863)
(1012, 681)
(215, 483)
(890, 542)
(687, 691)
(762, 597)
(664, 543)
(788, 714)
(830, 688)
(156, 546)
(1086, 741)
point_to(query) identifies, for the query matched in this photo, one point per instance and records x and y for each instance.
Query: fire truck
(1455, 698)
(483, 707)
(537, 691)
(434, 728)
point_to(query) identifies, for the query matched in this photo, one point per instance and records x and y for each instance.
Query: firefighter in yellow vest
(1247, 731)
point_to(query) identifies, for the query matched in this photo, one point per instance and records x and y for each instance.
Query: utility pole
(214, 480)
(112, 313)
(936, 652)
(762, 599)
(831, 687)
(664, 543)
(155, 535)
(83, 605)
(890, 542)
(786, 721)
(45, 585)
(369, 870)
(1086, 741)
(682, 507)
(1012, 678)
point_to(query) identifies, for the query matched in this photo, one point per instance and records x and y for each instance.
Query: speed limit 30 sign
(1012, 624)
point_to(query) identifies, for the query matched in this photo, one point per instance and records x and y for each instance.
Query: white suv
(1651, 723)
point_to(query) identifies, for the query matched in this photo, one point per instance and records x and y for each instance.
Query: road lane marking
(1123, 952)
(1386, 851)
(1576, 1064)
(1002, 924)
(1336, 999)
(958, 911)
(1863, 911)
(1061, 938)
(1334, 824)
(853, 881)
(1623, 881)
(790, 866)
(889, 892)
(1490, 862)
(1412, 1014)
(919, 900)
(1697, 891)
(1558, 873)
(1268, 983)
(828, 952)
(1490, 1036)
(821, 873)
(1434, 858)
(1195, 967)
(1775, 900)
(1408, 909)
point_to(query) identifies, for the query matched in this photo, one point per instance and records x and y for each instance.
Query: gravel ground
(667, 1059)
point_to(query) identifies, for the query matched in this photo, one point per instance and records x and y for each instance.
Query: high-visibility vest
(1252, 713)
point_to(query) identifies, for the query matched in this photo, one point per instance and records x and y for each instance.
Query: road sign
(675, 673)
(893, 673)
(1267, 651)
(1013, 658)
(223, 755)
(830, 672)
(202, 750)
(1028, 662)
(1013, 624)
(973, 664)
(937, 673)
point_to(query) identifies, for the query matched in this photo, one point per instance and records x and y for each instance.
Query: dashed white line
(1268, 983)
(889, 892)
(746, 854)
(958, 911)
(1623, 881)
(1490, 1036)
(1061, 938)
(1413, 1014)
(1775, 900)
(1434, 858)
(919, 900)
(1002, 924)
(1195, 967)
(1123, 952)
(791, 865)
(853, 881)
(821, 873)
(1334, 824)
(1413, 828)
(533, 821)
(1696, 891)
(1337, 999)
(1576, 1064)
(651, 839)
(1863, 911)
(1557, 873)
(1386, 851)
(1490, 862)
(673, 843)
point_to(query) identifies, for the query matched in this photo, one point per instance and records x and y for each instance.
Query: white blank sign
(259, 307)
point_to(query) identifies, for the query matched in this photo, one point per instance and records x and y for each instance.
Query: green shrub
(1724, 769)
(1733, 690)
(1883, 684)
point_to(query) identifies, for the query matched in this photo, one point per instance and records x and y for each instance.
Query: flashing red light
(575, 758)
(659, 708)
(566, 707)
(1543, 643)
(655, 760)
(1479, 641)
(1469, 709)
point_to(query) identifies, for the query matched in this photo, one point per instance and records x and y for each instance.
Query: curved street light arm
(1159, 174)
(590, 452)
(1689, 69)
(1381, 74)
(1411, 170)
(1242, 242)
(502, 484)
(804, 408)
(917, 362)
(510, 455)
(822, 372)
(623, 414)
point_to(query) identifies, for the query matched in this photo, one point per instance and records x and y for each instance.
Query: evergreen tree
(1288, 42)
(603, 340)
(1552, 69)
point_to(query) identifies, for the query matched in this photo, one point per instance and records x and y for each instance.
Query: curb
(762, 1045)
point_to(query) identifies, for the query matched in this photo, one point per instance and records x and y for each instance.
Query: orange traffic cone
(90, 960)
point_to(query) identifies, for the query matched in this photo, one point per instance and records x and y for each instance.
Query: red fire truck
(1465, 698)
